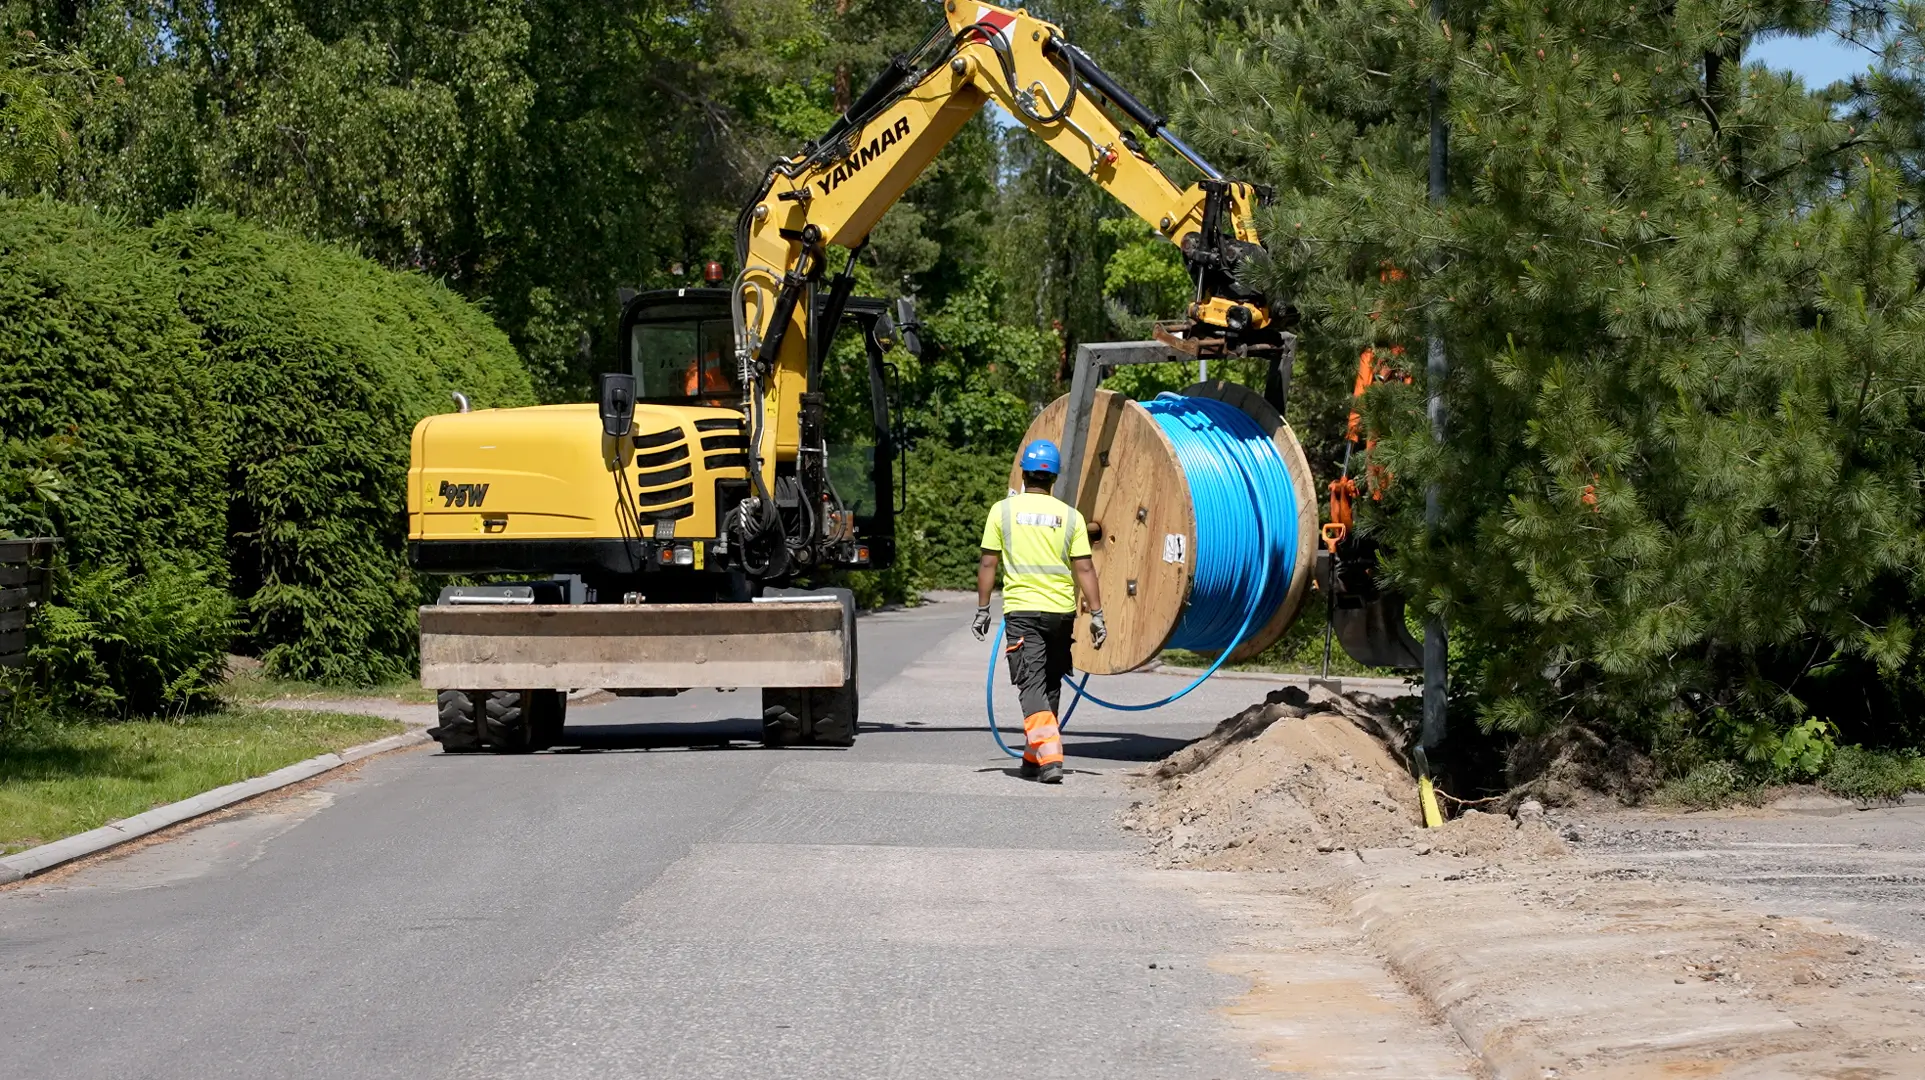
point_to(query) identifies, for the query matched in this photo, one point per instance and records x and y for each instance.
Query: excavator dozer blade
(800, 642)
(1373, 632)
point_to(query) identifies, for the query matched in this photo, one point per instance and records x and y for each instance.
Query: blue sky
(1820, 60)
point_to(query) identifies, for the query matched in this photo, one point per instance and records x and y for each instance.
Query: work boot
(1030, 770)
(1051, 774)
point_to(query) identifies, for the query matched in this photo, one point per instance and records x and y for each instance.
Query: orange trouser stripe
(1045, 738)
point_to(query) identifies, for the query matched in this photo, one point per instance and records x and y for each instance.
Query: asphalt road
(668, 900)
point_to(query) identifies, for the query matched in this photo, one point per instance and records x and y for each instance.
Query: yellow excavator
(670, 516)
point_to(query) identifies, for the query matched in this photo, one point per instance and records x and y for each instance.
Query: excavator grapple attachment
(1366, 620)
(1373, 633)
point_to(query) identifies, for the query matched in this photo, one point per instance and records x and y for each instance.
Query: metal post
(1436, 644)
(1276, 382)
(1082, 398)
(1092, 361)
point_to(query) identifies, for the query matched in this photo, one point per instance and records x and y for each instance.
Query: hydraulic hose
(1245, 505)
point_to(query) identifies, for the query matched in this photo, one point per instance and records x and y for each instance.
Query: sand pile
(1297, 775)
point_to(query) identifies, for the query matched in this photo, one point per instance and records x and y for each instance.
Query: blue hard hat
(1043, 457)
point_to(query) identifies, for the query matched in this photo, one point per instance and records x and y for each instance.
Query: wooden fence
(23, 585)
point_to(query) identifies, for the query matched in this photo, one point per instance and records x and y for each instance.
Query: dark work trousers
(1037, 644)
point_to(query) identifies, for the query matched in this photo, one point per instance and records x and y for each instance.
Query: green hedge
(213, 397)
(103, 381)
(326, 362)
(950, 493)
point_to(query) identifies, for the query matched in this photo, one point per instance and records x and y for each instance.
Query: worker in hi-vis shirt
(1042, 545)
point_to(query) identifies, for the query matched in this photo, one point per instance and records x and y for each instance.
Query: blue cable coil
(1245, 505)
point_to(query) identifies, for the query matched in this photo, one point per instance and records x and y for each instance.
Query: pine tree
(1681, 301)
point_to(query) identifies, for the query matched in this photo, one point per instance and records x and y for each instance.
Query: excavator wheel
(503, 721)
(507, 722)
(781, 724)
(835, 711)
(456, 732)
(818, 715)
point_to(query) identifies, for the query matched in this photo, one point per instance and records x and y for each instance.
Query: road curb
(32, 861)
(1537, 985)
(1392, 920)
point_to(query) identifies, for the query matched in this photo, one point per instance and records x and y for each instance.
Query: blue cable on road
(1237, 479)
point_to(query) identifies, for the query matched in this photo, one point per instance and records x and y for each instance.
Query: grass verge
(61, 776)
(249, 687)
(1300, 651)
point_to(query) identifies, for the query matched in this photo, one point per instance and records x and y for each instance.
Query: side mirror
(911, 329)
(884, 332)
(618, 404)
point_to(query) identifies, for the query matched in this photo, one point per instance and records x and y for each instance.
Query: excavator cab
(679, 346)
(547, 489)
(680, 350)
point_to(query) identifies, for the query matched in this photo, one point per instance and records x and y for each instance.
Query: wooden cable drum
(1143, 530)
(1136, 501)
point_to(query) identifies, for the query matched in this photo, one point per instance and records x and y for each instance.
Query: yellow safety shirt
(1037, 535)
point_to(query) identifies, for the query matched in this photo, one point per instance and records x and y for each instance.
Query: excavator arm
(838, 187)
(693, 572)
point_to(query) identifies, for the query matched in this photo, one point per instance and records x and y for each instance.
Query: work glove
(1099, 631)
(981, 623)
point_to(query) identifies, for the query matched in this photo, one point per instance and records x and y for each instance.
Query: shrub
(29, 487)
(1798, 753)
(1709, 786)
(1872, 775)
(104, 394)
(122, 643)
(950, 492)
(325, 362)
(207, 394)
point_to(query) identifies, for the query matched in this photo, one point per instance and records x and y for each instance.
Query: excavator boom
(674, 512)
(837, 188)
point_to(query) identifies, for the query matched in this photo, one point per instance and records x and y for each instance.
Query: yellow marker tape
(1427, 795)
(698, 554)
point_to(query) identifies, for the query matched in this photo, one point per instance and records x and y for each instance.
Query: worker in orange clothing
(703, 376)
(1046, 544)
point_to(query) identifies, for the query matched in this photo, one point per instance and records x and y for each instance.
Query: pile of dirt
(1577, 767)
(1298, 775)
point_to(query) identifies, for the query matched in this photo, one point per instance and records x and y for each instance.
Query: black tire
(835, 710)
(824, 716)
(508, 724)
(784, 716)
(456, 732)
